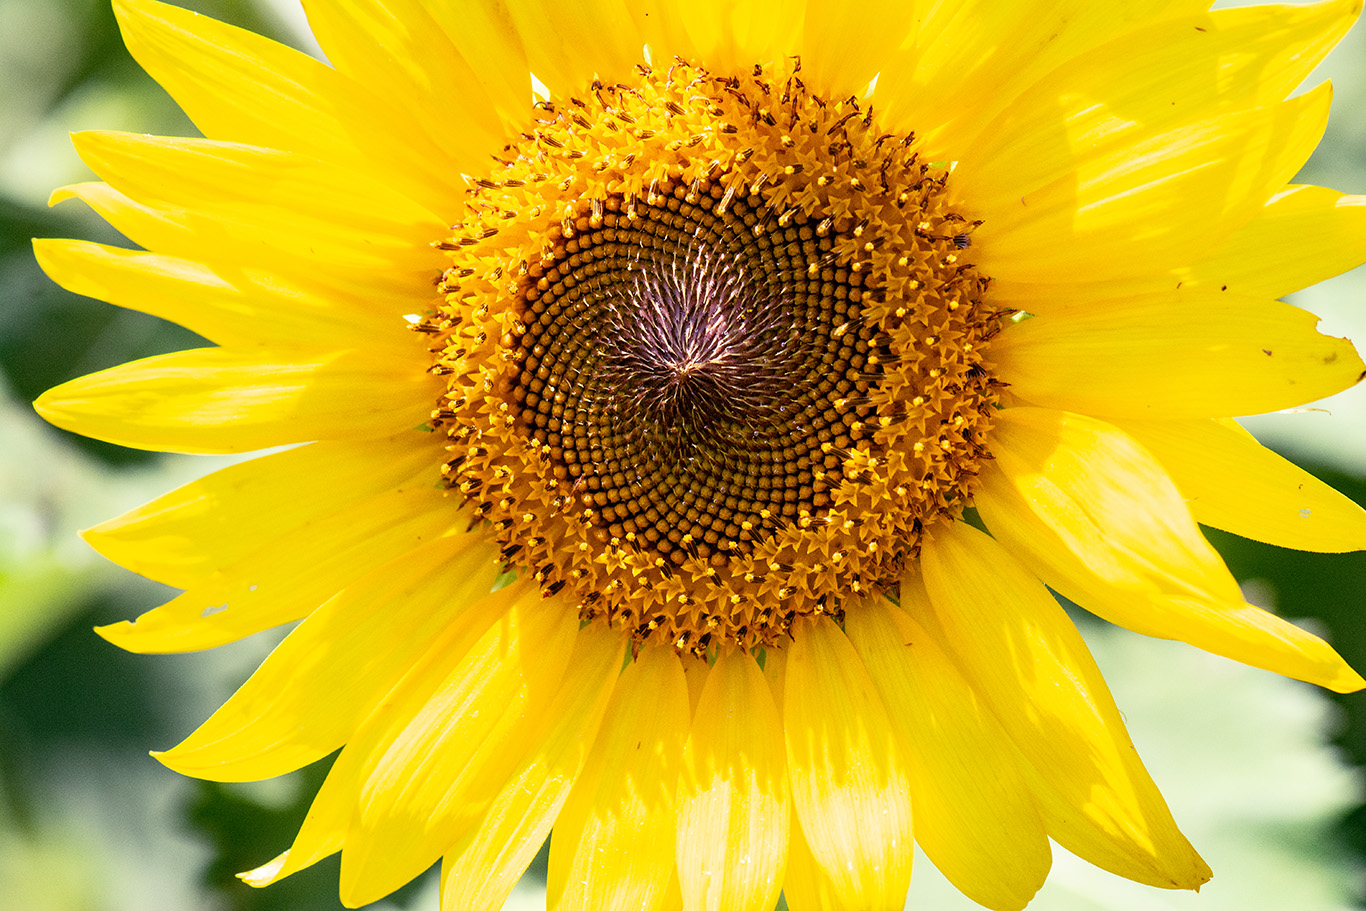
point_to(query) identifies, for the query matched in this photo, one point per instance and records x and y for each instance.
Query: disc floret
(715, 358)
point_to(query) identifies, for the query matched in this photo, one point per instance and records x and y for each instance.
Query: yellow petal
(214, 400)
(614, 840)
(1030, 666)
(832, 27)
(1174, 356)
(330, 673)
(849, 783)
(807, 886)
(401, 46)
(1101, 523)
(729, 34)
(974, 815)
(733, 805)
(145, 226)
(180, 233)
(483, 35)
(1302, 235)
(570, 42)
(239, 86)
(1094, 486)
(182, 537)
(493, 621)
(480, 872)
(1150, 80)
(1146, 204)
(446, 754)
(286, 578)
(1232, 482)
(425, 49)
(233, 83)
(775, 675)
(251, 307)
(274, 209)
(661, 24)
(695, 671)
(988, 53)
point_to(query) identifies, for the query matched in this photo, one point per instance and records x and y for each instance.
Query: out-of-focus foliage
(89, 821)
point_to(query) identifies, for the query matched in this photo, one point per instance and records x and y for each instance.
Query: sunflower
(686, 447)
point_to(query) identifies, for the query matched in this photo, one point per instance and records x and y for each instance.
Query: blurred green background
(1264, 774)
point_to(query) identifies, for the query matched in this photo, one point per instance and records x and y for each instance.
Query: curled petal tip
(265, 874)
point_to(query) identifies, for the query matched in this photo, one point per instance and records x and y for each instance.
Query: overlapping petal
(1143, 205)
(831, 28)
(218, 400)
(182, 537)
(965, 62)
(850, 782)
(1302, 235)
(318, 685)
(975, 817)
(571, 42)
(734, 33)
(438, 764)
(229, 196)
(1201, 354)
(237, 306)
(404, 46)
(1154, 79)
(1102, 524)
(662, 26)
(614, 838)
(480, 872)
(1232, 482)
(733, 796)
(425, 764)
(282, 579)
(807, 887)
(237, 85)
(176, 232)
(1029, 665)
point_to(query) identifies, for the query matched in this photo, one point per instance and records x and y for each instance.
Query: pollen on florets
(714, 358)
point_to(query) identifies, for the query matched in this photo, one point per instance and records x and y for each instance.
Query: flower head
(641, 420)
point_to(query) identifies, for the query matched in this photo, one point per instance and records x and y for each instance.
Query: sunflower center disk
(685, 368)
(714, 360)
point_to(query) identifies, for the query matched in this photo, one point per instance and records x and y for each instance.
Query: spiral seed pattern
(685, 367)
(715, 358)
